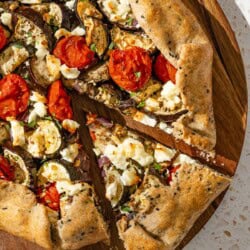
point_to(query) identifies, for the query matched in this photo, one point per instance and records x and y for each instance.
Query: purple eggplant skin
(37, 19)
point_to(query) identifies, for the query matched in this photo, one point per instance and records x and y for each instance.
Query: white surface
(229, 228)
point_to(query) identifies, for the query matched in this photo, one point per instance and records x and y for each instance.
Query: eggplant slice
(23, 164)
(124, 39)
(87, 9)
(31, 29)
(12, 57)
(119, 12)
(44, 71)
(96, 35)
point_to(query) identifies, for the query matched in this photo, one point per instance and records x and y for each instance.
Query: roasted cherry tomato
(3, 38)
(164, 70)
(14, 96)
(49, 196)
(74, 52)
(59, 102)
(6, 170)
(172, 170)
(131, 68)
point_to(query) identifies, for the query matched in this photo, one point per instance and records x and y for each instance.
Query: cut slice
(166, 191)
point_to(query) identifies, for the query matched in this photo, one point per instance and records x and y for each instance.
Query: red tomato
(164, 70)
(59, 102)
(49, 196)
(3, 38)
(6, 170)
(131, 68)
(74, 52)
(14, 96)
(172, 170)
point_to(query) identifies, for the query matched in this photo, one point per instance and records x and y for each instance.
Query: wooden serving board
(230, 107)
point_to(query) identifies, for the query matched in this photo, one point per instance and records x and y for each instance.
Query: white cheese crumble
(128, 149)
(111, 191)
(78, 31)
(118, 10)
(6, 19)
(70, 4)
(37, 97)
(152, 104)
(69, 73)
(163, 153)
(68, 188)
(165, 127)
(17, 133)
(53, 65)
(36, 144)
(70, 125)
(184, 159)
(70, 153)
(170, 96)
(30, 1)
(129, 177)
(145, 119)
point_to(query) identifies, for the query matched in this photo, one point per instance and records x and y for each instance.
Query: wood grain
(230, 107)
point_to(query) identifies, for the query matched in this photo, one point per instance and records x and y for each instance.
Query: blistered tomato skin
(74, 52)
(3, 38)
(164, 70)
(14, 96)
(59, 102)
(130, 69)
(49, 196)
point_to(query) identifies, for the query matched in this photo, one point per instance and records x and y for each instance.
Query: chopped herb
(111, 46)
(141, 104)
(130, 21)
(157, 166)
(18, 45)
(31, 124)
(54, 28)
(93, 47)
(26, 75)
(138, 74)
(48, 118)
(132, 94)
(125, 209)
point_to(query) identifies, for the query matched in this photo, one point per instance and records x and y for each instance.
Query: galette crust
(178, 35)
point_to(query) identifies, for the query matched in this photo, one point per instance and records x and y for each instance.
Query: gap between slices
(159, 191)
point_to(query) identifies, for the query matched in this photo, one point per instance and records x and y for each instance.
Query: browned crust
(81, 223)
(178, 35)
(169, 212)
(21, 216)
(136, 238)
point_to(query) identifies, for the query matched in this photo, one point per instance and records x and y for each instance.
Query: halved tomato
(59, 102)
(74, 52)
(3, 38)
(130, 68)
(164, 70)
(49, 196)
(14, 96)
(6, 170)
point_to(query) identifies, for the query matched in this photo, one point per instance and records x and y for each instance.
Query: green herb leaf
(130, 21)
(132, 94)
(125, 209)
(31, 124)
(93, 47)
(157, 166)
(111, 46)
(138, 74)
(18, 45)
(141, 104)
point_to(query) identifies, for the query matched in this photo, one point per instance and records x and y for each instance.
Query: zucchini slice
(12, 57)
(45, 141)
(22, 174)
